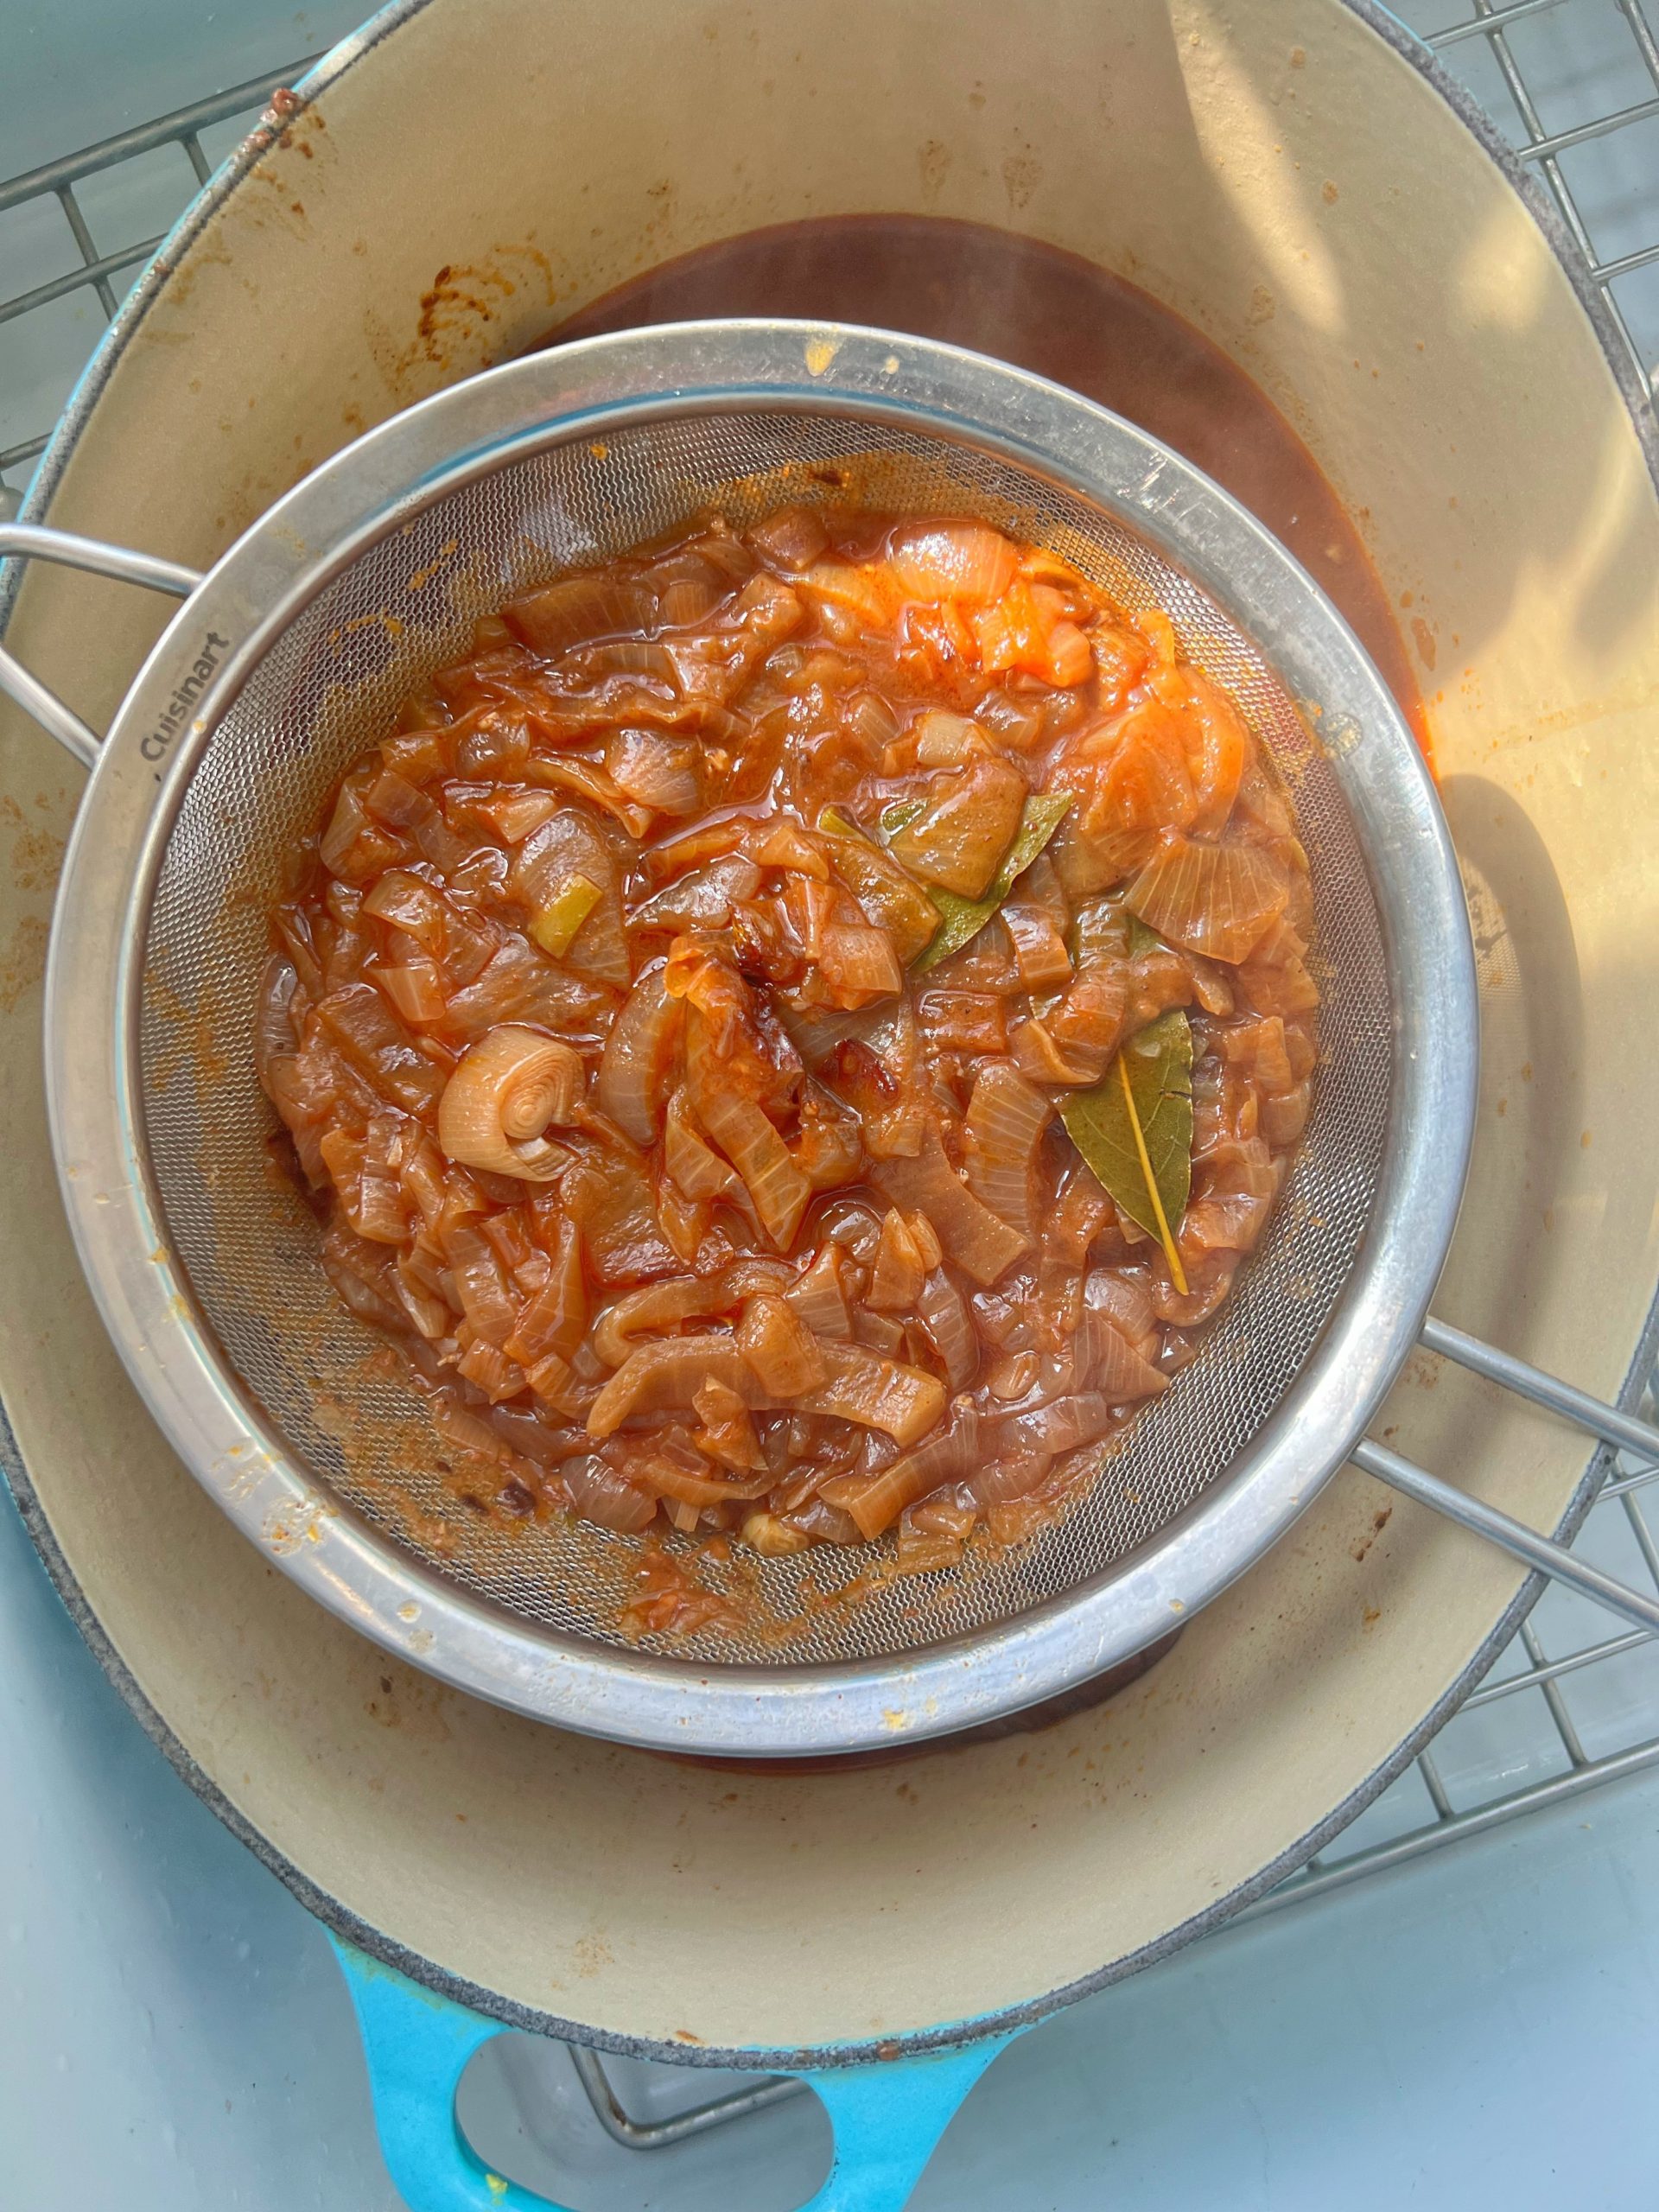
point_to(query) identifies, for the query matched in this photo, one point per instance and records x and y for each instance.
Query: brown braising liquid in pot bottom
(1062, 317)
(1059, 316)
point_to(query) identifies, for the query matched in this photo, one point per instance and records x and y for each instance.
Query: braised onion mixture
(791, 1034)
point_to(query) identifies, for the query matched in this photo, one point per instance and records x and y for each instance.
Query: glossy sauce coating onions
(701, 1018)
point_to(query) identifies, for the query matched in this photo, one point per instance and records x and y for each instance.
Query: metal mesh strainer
(285, 1402)
(328, 686)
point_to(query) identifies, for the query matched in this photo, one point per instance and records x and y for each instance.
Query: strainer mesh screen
(328, 688)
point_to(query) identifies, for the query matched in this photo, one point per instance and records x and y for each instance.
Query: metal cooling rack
(42, 356)
(1573, 85)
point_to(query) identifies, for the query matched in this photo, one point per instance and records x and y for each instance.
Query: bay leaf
(1159, 1063)
(961, 919)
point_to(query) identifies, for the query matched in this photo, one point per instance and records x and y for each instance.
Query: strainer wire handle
(35, 541)
(1547, 1390)
(1501, 1529)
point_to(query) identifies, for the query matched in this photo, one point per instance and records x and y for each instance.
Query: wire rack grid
(1574, 85)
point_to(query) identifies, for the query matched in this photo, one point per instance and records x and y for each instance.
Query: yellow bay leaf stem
(1177, 1274)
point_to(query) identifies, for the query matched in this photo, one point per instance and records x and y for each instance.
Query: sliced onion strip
(1219, 900)
(975, 1238)
(783, 1352)
(1006, 1119)
(635, 1065)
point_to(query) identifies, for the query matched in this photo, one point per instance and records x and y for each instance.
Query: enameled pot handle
(888, 2122)
(887, 2119)
(33, 541)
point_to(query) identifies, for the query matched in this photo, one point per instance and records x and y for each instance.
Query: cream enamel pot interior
(1297, 185)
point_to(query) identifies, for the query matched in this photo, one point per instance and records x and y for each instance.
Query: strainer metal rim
(94, 971)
